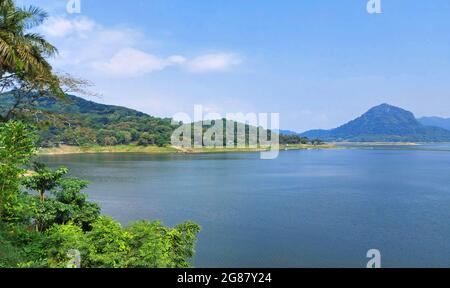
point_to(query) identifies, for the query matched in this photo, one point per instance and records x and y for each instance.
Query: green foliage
(38, 232)
(9, 253)
(146, 139)
(59, 240)
(79, 122)
(80, 211)
(68, 203)
(154, 245)
(16, 148)
(293, 139)
(21, 246)
(20, 49)
(141, 245)
(17, 143)
(47, 213)
(23, 56)
(183, 243)
(149, 245)
(44, 179)
(35, 232)
(109, 244)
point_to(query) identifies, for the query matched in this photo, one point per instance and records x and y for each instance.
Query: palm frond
(32, 16)
(40, 42)
(7, 53)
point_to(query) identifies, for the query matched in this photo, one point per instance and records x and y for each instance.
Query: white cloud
(131, 62)
(61, 27)
(213, 62)
(177, 59)
(89, 49)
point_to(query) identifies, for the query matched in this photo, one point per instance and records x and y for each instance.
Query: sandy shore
(64, 149)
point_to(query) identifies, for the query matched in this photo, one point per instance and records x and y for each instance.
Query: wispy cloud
(131, 62)
(61, 27)
(88, 47)
(213, 62)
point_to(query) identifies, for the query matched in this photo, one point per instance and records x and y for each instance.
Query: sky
(318, 63)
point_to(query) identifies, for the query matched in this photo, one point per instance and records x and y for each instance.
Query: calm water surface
(323, 208)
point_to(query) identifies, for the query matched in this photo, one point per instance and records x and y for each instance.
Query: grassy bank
(63, 149)
(377, 143)
(307, 147)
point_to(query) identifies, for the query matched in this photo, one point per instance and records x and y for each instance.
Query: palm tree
(21, 50)
(24, 68)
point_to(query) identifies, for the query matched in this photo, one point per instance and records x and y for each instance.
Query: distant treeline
(77, 122)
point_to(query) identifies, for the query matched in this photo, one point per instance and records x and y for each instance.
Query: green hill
(383, 123)
(79, 122)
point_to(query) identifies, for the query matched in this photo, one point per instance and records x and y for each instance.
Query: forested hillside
(79, 122)
(76, 121)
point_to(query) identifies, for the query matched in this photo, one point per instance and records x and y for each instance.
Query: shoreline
(67, 150)
(345, 144)
(118, 149)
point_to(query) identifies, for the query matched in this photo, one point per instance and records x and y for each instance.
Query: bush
(38, 231)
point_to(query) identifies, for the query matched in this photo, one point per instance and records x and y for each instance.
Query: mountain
(72, 105)
(383, 123)
(286, 132)
(436, 122)
(77, 121)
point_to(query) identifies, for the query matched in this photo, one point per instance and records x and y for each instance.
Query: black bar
(233, 278)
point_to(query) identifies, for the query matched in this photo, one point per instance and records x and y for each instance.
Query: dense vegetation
(78, 122)
(45, 218)
(24, 69)
(293, 139)
(42, 225)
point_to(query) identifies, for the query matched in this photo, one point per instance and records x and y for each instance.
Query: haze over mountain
(383, 123)
(436, 122)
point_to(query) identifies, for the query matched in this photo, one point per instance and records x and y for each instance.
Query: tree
(78, 136)
(19, 49)
(24, 68)
(123, 137)
(60, 240)
(183, 243)
(44, 179)
(66, 221)
(16, 148)
(110, 141)
(154, 245)
(146, 139)
(292, 139)
(108, 244)
(81, 212)
(46, 214)
(317, 142)
(69, 222)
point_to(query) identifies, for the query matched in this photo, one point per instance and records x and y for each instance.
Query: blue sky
(318, 63)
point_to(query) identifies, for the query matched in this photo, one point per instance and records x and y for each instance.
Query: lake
(315, 208)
